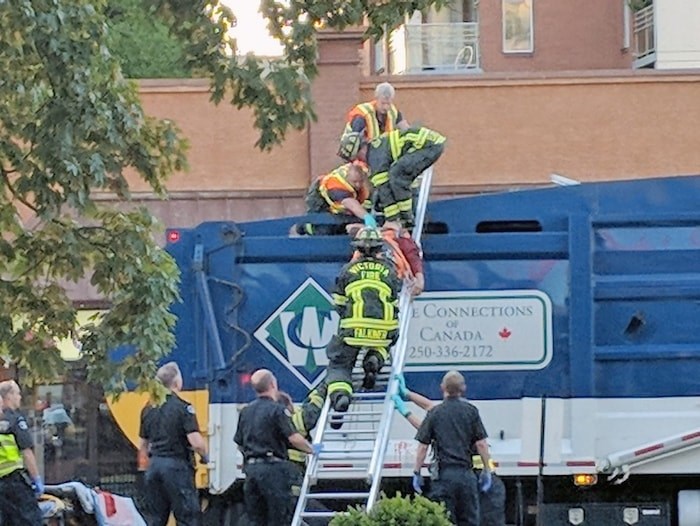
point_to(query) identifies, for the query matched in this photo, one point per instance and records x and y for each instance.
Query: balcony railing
(644, 42)
(435, 48)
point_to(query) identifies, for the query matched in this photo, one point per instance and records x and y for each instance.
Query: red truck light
(173, 236)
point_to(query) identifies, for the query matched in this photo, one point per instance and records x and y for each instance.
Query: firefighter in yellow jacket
(395, 160)
(366, 298)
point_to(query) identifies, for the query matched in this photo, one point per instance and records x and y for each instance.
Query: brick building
(520, 90)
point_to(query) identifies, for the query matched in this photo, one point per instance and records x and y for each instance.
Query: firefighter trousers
(395, 196)
(341, 360)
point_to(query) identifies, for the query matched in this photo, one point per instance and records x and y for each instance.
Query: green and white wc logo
(299, 331)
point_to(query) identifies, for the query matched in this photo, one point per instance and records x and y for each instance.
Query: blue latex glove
(400, 405)
(38, 486)
(417, 483)
(485, 481)
(403, 391)
(204, 459)
(316, 449)
(370, 221)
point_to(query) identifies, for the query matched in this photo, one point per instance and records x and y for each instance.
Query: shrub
(396, 511)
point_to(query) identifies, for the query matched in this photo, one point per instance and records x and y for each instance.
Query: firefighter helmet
(368, 239)
(350, 144)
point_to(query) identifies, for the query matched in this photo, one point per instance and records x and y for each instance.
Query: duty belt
(263, 460)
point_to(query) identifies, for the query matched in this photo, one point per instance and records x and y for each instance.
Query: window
(517, 26)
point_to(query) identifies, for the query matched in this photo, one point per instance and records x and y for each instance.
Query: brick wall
(504, 130)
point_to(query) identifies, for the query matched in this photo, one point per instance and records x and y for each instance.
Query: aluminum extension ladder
(349, 469)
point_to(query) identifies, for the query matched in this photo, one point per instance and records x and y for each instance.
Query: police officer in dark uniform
(264, 432)
(453, 428)
(169, 433)
(20, 483)
(492, 502)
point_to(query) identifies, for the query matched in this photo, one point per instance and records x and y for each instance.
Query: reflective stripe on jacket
(368, 111)
(319, 195)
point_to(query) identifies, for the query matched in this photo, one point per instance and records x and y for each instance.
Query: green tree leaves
(70, 125)
(142, 43)
(278, 90)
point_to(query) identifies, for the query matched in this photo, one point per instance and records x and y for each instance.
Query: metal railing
(644, 41)
(442, 48)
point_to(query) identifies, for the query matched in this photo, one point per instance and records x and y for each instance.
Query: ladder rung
(343, 432)
(312, 514)
(368, 395)
(345, 455)
(339, 495)
(358, 413)
(343, 469)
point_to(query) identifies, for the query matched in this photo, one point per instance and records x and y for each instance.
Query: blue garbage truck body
(573, 312)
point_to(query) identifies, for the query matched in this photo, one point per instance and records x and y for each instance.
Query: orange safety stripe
(368, 111)
(403, 269)
(336, 180)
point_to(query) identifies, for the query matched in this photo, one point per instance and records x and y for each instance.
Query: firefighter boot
(340, 403)
(371, 367)
(408, 220)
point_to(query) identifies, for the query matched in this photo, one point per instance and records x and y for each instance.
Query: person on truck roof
(365, 297)
(492, 503)
(379, 116)
(454, 429)
(395, 161)
(344, 193)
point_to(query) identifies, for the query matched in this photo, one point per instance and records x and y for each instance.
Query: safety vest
(368, 111)
(403, 268)
(298, 422)
(10, 455)
(318, 196)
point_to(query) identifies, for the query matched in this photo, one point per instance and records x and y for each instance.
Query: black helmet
(350, 144)
(368, 239)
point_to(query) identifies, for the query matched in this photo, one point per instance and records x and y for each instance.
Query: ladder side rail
(312, 465)
(398, 354)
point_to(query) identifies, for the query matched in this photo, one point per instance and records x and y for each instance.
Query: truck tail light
(585, 479)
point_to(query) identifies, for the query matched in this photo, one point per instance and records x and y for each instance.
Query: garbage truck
(572, 311)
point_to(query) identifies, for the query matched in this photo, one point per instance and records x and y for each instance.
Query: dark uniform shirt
(454, 426)
(263, 430)
(166, 428)
(17, 426)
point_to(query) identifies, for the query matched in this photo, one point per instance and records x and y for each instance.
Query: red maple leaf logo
(504, 333)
